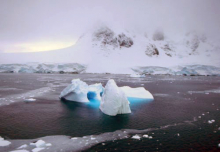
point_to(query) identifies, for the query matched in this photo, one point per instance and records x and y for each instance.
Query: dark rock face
(168, 51)
(107, 37)
(194, 41)
(125, 41)
(151, 50)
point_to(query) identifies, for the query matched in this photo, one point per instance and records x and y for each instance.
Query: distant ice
(42, 68)
(137, 75)
(189, 70)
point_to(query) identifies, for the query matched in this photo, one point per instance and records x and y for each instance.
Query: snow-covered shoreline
(76, 68)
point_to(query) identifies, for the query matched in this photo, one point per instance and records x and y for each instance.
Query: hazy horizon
(32, 26)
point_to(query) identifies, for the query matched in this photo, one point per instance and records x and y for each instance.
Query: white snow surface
(76, 91)
(140, 92)
(114, 100)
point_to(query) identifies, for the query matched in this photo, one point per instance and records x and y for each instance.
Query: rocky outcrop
(107, 37)
(151, 50)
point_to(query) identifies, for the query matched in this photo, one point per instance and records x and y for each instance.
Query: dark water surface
(173, 104)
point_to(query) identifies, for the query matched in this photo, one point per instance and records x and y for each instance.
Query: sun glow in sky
(37, 46)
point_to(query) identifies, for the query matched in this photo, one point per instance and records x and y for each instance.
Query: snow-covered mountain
(111, 50)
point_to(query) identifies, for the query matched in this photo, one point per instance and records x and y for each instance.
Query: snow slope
(113, 50)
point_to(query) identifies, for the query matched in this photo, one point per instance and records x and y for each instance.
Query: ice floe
(4, 142)
(137, 76)
(23, 150)
(189, 70)
(29, 100)
(136, 137)
(211, 121)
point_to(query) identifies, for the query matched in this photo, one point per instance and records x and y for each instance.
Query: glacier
(114, 100)
(42, 68)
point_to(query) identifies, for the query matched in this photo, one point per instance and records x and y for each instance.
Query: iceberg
(114, 100)
(76, 91)
(140, 93)
(95, 91)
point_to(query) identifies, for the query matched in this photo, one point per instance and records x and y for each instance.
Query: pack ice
(114, 100)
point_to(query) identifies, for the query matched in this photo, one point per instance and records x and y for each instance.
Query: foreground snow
(114, 100)
(4, 142)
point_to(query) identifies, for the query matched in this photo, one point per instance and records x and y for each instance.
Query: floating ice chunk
(150, 137)
(22, 146)
(136, 137)
(76, 91)
(95, 91)
(211, 121)
(137, 76)
(145, 136)
(219, 145)
(40, 144)
(74, 138)
(29, 100)
(37, 149)
(137, 92)
(114, 100)
(4, 142)
(23, 150)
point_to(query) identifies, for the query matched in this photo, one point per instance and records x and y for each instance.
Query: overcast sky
(40, 25)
